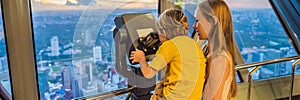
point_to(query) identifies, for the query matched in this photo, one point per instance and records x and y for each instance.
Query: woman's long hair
(222, 12)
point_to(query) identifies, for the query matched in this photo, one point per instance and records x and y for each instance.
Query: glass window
(261, 37)
(258, 33)
(74, 45)
(188, 7)
(4, 70)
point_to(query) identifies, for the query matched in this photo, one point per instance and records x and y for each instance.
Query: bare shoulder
(222, 57)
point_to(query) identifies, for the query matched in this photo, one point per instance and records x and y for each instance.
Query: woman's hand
(137, 56)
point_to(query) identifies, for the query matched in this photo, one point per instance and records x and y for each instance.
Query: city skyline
(72, 77)
(240, 16)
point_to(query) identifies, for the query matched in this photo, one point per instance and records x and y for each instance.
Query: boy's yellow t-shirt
(185, 71)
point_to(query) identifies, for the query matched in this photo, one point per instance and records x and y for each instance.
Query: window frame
(20, 49)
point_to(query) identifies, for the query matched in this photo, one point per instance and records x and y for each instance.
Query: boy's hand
(137, 56)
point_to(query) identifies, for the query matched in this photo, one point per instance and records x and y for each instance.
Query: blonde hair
(223, 14)
(172, 23)
(179, 16)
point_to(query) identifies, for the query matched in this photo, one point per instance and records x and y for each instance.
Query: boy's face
(162, 38)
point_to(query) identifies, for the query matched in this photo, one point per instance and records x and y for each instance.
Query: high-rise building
(79, 68)
(75, 88)
(101, 86)
(115, 78)
(291, 52)
(257, 73)
(66, 77)
(249, 58)
(97, 54)
(271, 54)
(91, 90)
(261, 57)
(84, 72)
(88, 38)
(54, 46)
(284, 68)
(3, 64)
(84, 81)
(284, 52)
(89, 71)
(43, 79)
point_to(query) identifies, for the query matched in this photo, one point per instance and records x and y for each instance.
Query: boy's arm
(147, 71)
(162, 57)
(139, 56)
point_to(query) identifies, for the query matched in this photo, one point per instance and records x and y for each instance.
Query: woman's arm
(139, 56)
(219, 73)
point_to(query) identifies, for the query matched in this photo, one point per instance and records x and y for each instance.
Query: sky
(248, 3)
(51, 5)
(97, 4)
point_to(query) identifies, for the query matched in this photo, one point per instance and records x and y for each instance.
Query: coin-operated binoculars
(135, 31)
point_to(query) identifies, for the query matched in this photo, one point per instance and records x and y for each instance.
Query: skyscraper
(97, 54)
(66, 78)
(101, 86)
(271, 54)
(85, 81)
(43, 79)
(89, 72)
(54, 46)
(1, 66)
(291, 52)
(88, 40)
(75, 88)
(284, 68)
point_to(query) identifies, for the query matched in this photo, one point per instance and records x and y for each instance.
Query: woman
(180, 55)
(214, 23)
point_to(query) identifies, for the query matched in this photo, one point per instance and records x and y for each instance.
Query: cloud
(248, 3)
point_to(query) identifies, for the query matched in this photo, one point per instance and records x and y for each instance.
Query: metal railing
(255, 67)
(107, 94)
(293, 76)
(258, 65)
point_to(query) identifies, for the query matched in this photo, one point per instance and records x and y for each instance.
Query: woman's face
(199, 29)
(202, 26)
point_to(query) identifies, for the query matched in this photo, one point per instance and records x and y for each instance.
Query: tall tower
(43, 78)
(66, 78)
(261, 57)
(54, 46)
(284, 68)
(249, 57)
(1, 65)
(75, 88)
(97, 54)
(89, 71)
(88, 39)
(256, 74)
(290, 53)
